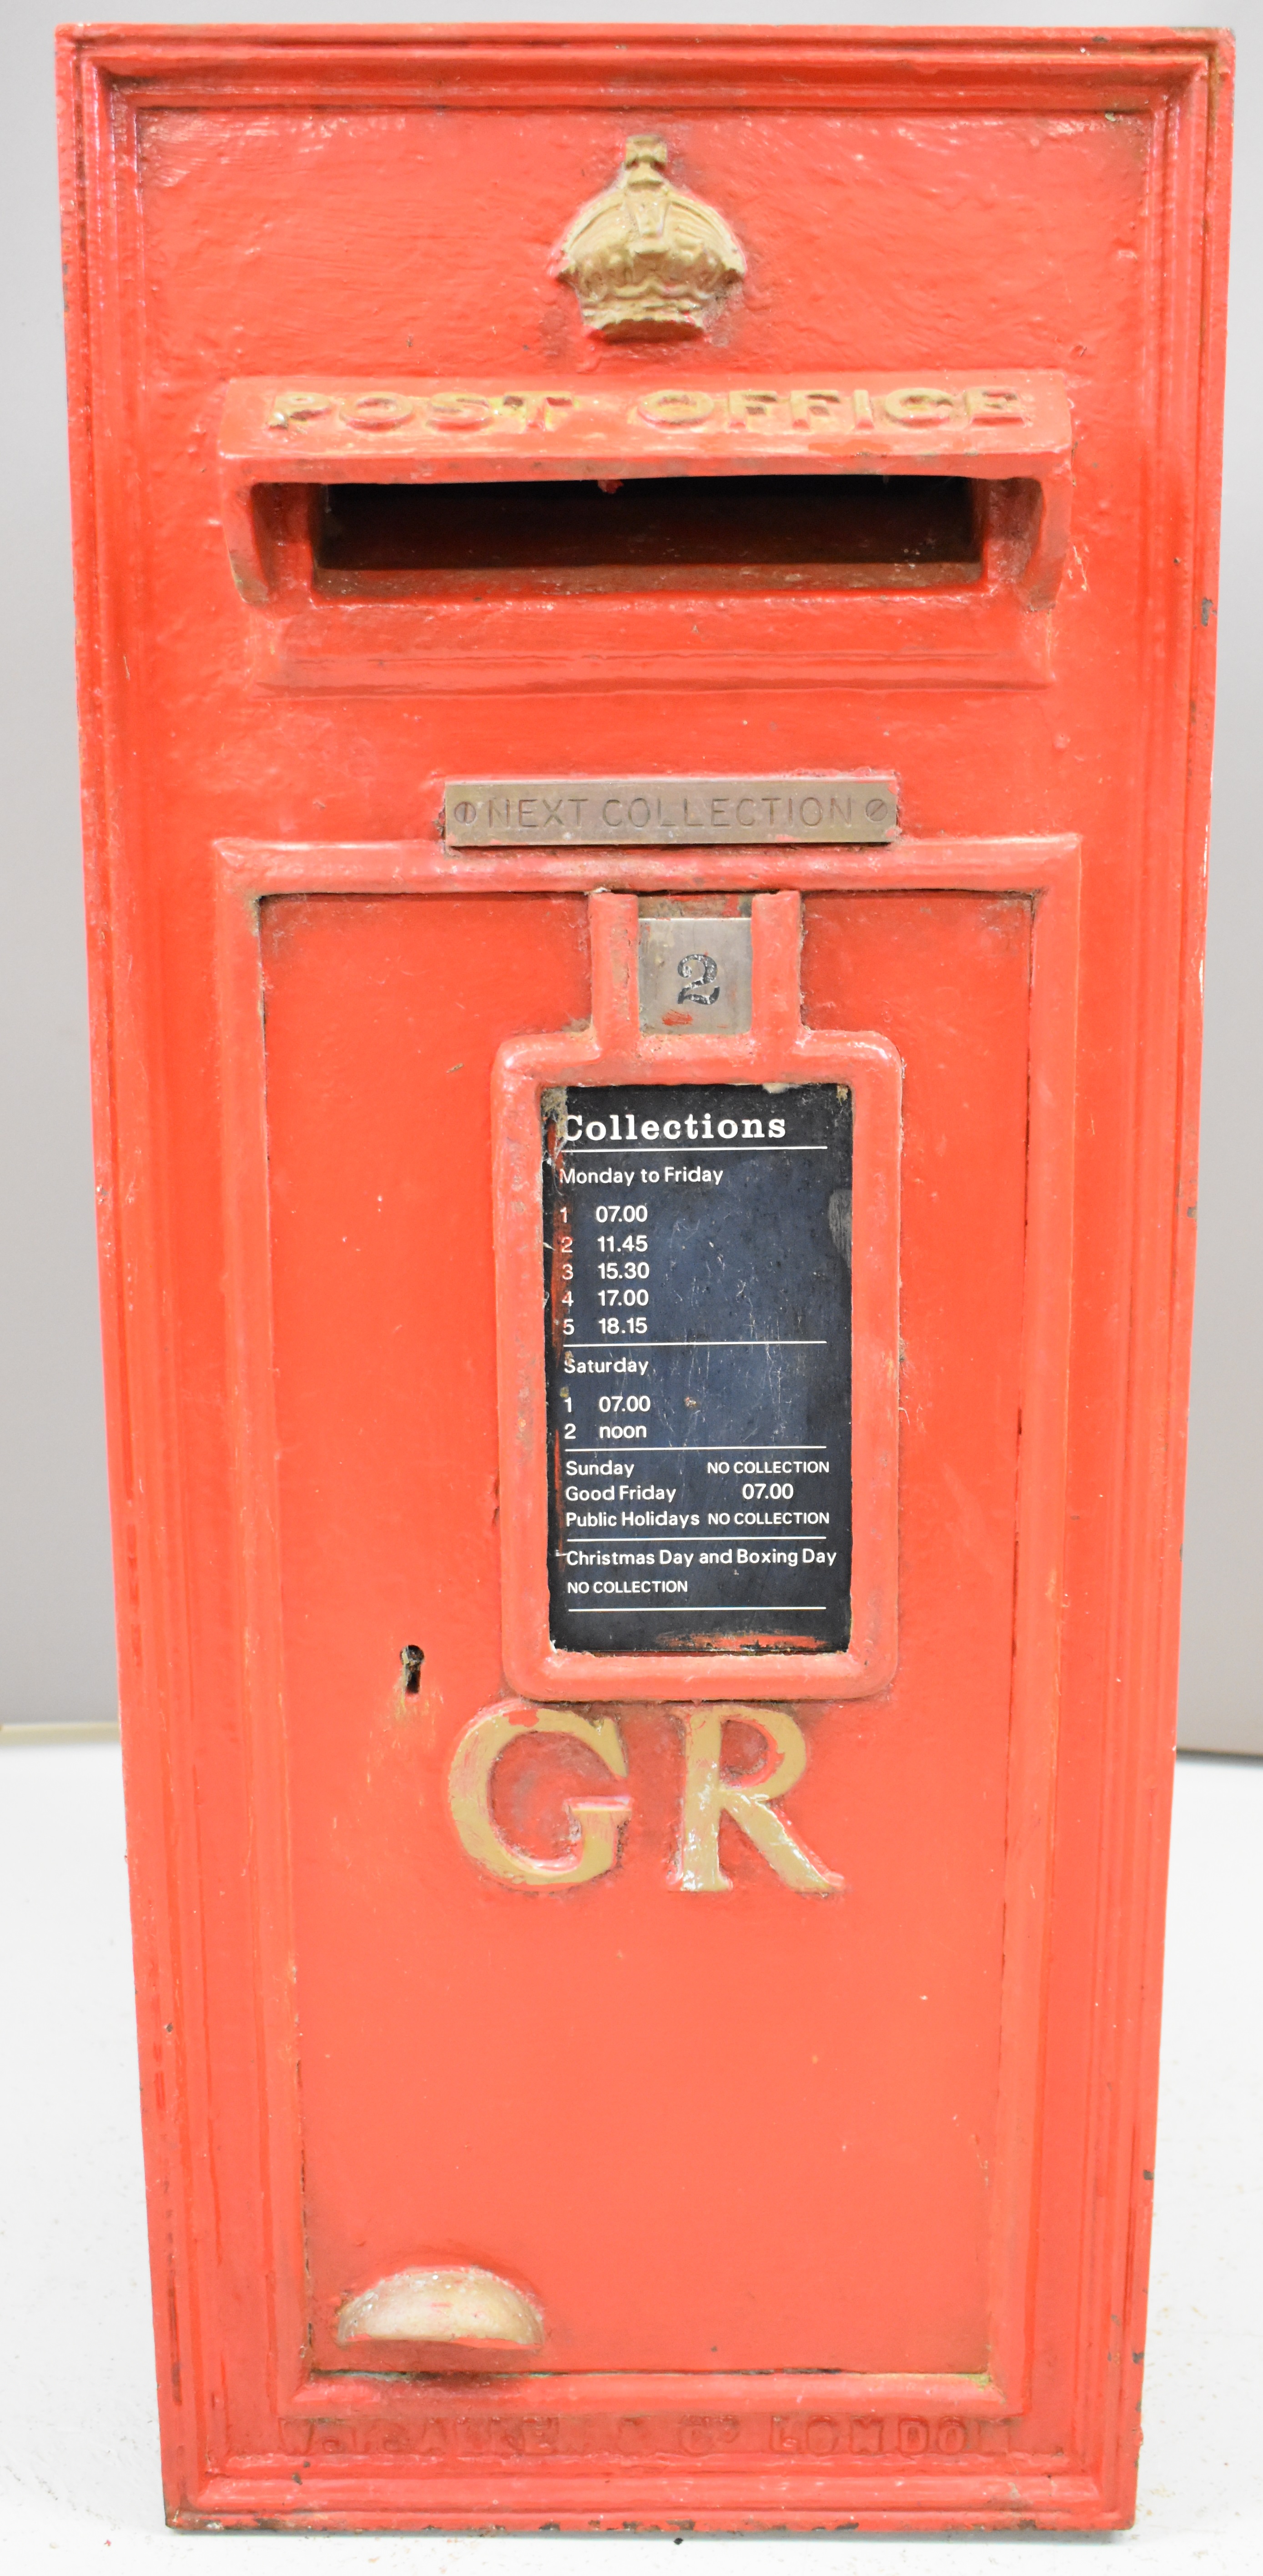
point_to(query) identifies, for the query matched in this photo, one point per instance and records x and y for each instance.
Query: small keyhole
(412, 1659)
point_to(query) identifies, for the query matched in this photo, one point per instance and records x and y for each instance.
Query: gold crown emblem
(646, 260)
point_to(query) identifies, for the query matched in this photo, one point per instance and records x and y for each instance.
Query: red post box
(647, 607)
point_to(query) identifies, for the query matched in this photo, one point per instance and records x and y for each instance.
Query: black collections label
(698, 1352)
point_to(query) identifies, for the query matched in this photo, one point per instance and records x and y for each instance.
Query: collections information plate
(698, 1360)
(618, 812)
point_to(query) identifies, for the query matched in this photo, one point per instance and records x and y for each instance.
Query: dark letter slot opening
(649, 533)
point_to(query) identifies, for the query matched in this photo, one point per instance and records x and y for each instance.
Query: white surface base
(78, 2431)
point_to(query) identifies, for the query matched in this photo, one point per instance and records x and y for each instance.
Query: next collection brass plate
(613, 812)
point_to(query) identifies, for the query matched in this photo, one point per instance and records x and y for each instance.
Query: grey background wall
(56, 1641)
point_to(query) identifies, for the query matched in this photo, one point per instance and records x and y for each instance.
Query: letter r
(708, 1797)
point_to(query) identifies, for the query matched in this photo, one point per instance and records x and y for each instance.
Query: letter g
(595, 1822)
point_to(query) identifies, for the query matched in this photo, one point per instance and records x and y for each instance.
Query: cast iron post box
(647, 628)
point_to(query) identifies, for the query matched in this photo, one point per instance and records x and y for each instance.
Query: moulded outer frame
(249, 2436)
